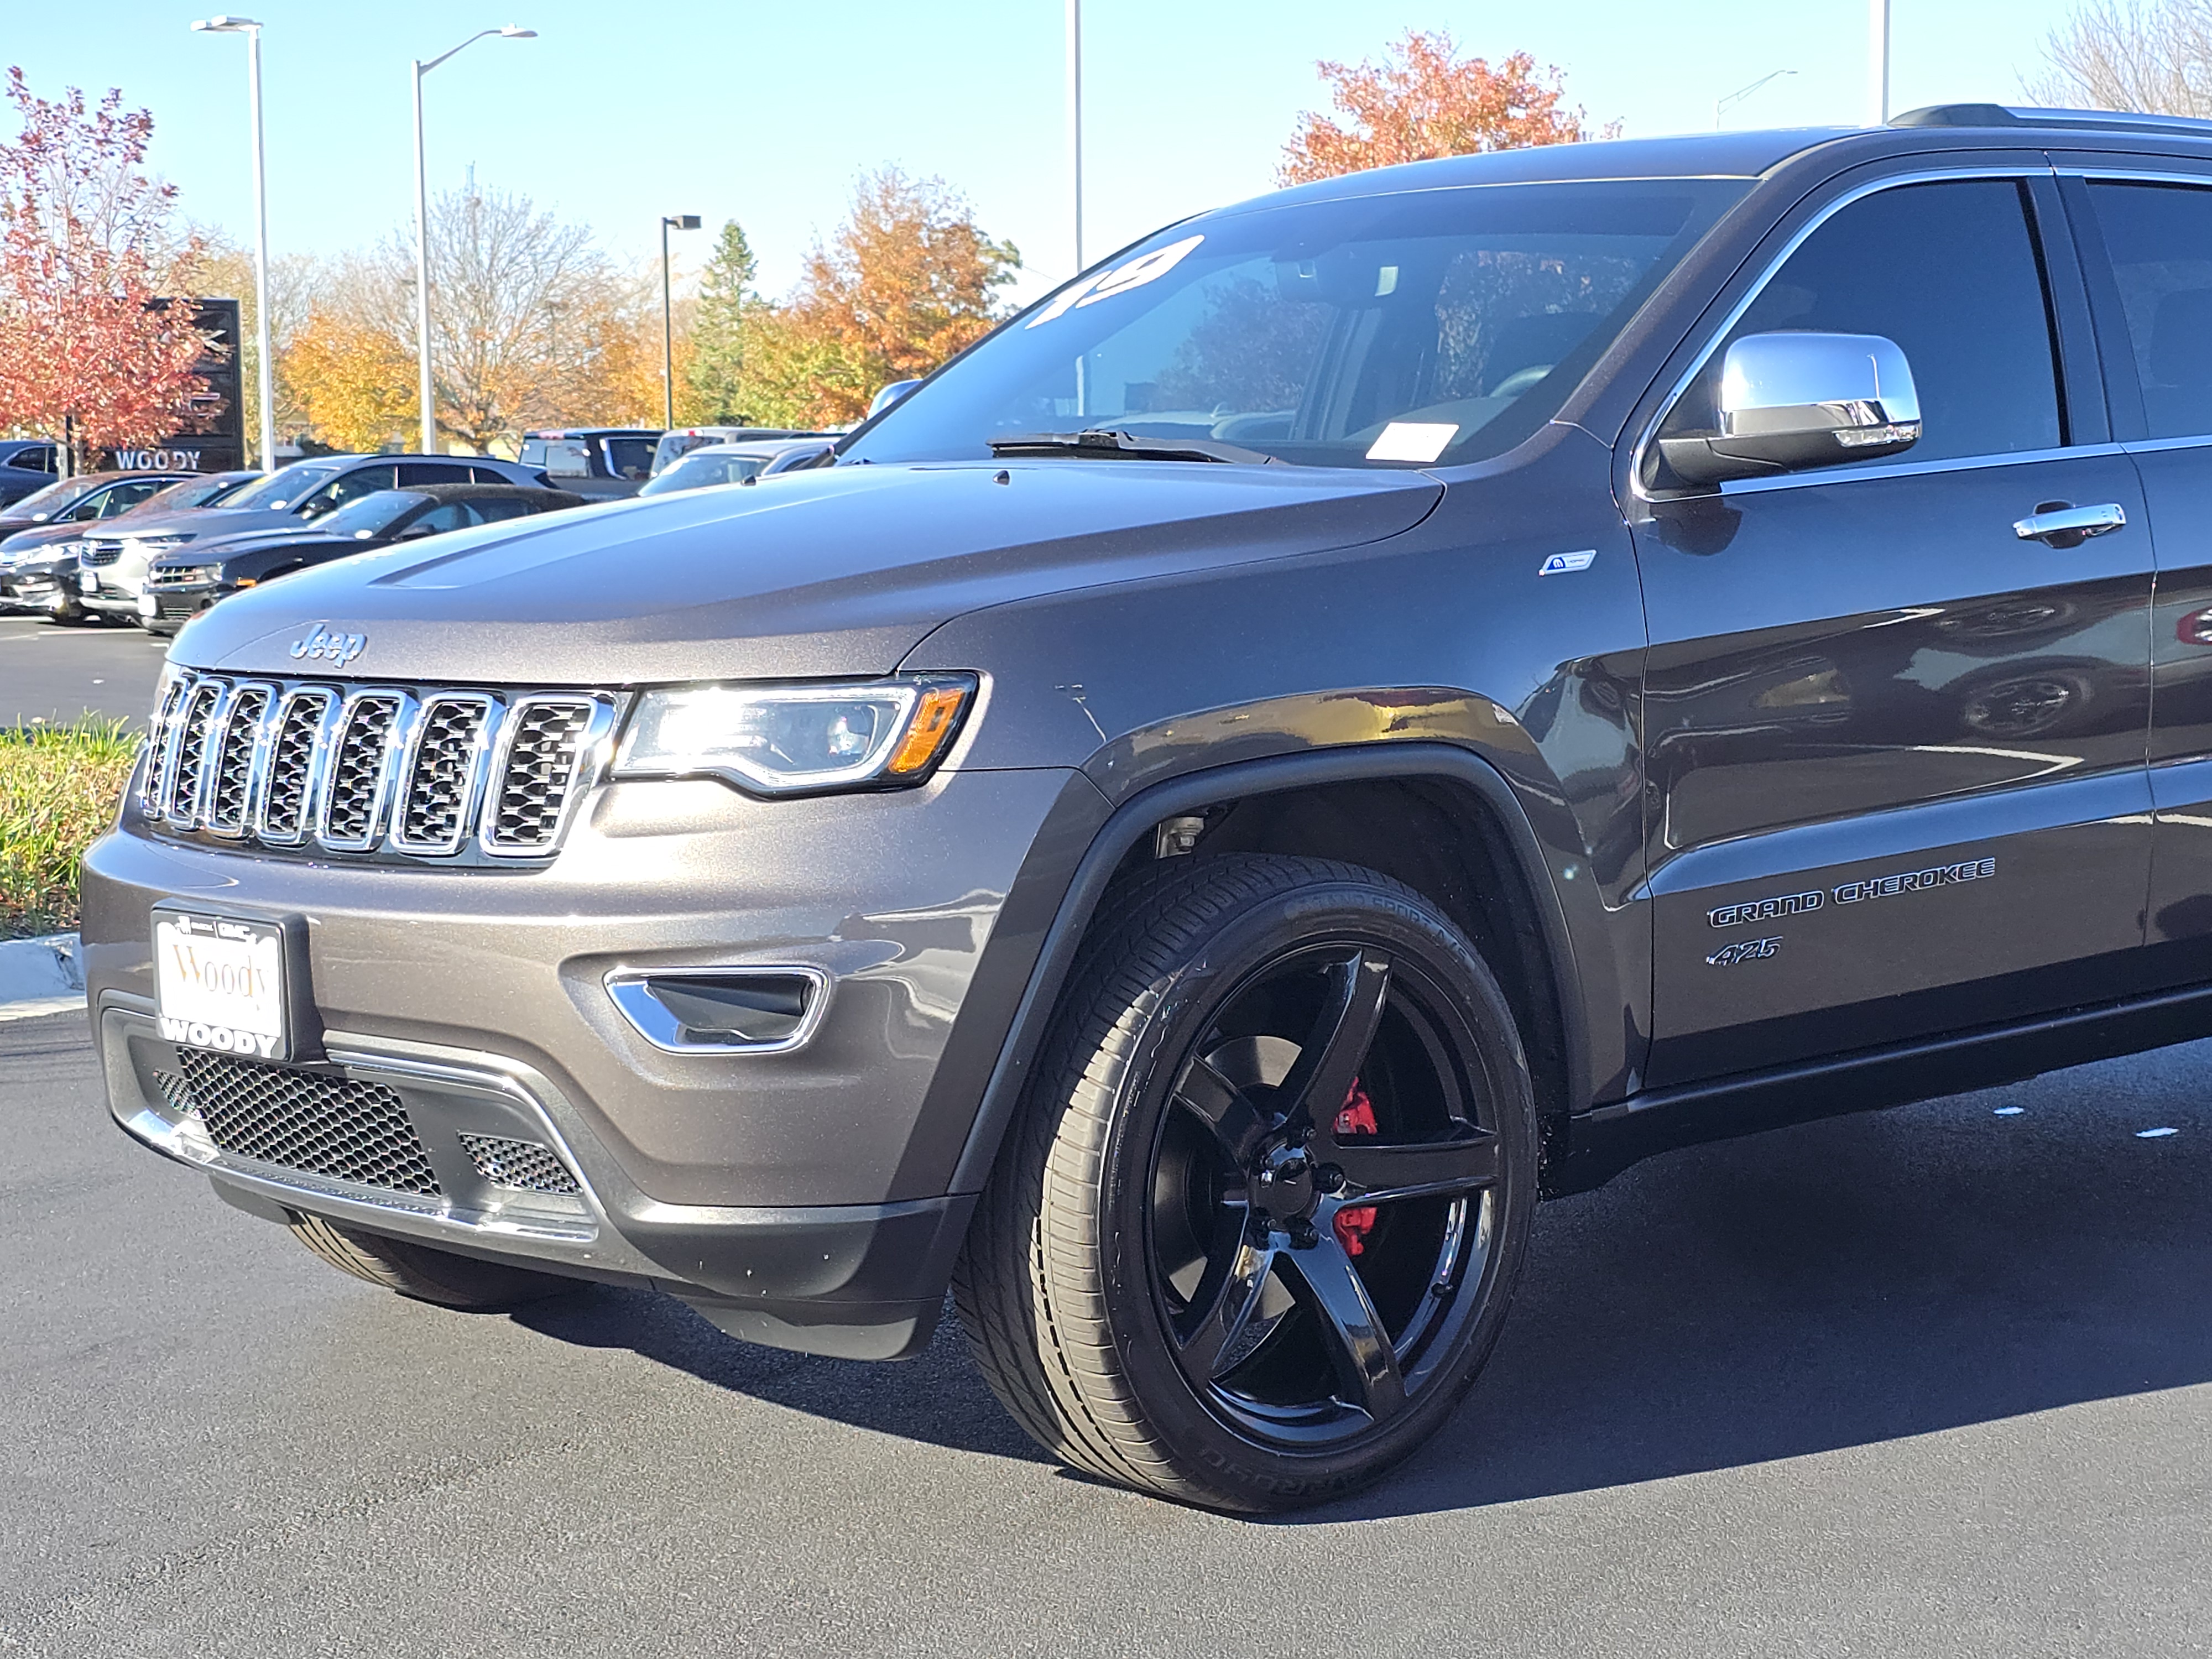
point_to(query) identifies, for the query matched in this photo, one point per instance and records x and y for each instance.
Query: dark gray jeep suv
(1370, 707)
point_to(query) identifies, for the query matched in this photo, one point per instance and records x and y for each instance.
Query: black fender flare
(1366, 762)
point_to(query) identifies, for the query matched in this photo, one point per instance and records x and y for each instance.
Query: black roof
(1748, 154)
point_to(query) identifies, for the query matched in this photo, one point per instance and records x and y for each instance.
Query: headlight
(794, 739)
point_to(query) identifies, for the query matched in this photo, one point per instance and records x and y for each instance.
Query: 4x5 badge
(1560, 564)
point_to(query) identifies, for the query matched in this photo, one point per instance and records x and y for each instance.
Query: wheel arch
(1503, 896)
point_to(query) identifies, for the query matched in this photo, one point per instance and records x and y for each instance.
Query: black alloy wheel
(1262, 1223)
(1321, 1195)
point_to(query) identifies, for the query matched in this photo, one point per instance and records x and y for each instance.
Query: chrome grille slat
(384, 771)
(230, 768)
(152, 790)
(541, 751)
(297, 738)
(350, 816)
(188, 754)
(442, 773)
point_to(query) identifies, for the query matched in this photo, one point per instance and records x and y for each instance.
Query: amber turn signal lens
(934, 718)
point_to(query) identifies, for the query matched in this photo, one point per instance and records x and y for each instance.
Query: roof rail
(2002, 115)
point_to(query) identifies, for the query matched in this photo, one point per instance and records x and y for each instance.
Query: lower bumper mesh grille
(520, 1163)
(337, 1127)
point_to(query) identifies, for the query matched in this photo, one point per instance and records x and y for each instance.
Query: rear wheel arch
(1473, 852)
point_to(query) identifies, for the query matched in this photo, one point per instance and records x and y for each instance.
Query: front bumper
(32, 591)
(859, 1281)
(801, 1198)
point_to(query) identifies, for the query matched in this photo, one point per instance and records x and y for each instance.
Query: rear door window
(564, 458)
(412, 473)
(2160, 241)
(629, 458)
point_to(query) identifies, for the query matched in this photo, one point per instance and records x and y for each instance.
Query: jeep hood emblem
(337, 648)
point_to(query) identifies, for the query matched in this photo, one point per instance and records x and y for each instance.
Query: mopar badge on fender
(338, 648)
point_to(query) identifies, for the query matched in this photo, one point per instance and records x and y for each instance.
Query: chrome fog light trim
(631, 992)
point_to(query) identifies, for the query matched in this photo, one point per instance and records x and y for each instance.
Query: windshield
(192, 492)
(694, 472)
(52, 498)
(1439, 325)
(371, 514)
(281, 488)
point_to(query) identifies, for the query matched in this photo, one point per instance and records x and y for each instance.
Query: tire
(1170, 1280)
(428, 1274)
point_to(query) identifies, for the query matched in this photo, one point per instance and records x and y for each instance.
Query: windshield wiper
(1126, 446)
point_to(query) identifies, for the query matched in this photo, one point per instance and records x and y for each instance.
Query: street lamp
(1742, 93)
(1075, 128)
(669, 221)
(423, 230)
(266, 379)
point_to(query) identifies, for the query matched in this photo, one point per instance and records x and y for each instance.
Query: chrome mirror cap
(1793, 400)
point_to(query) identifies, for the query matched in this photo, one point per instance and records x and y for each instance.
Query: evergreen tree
(727, 300)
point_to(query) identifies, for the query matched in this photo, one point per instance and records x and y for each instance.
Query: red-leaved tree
(1422, 102)
(86, 343)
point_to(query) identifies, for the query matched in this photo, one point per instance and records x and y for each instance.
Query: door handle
(2065, 525)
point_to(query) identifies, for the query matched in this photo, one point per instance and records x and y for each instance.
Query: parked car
(180, 586)
(723, 464)
(112, 568)
(64, 509)
(676, 444)
(604, 463)
(1499, 667)
(39, 568)
(26, 465)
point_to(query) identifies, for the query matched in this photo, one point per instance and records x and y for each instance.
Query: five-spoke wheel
(1261, 1224)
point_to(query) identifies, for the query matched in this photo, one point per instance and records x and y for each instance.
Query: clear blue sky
(765, 112)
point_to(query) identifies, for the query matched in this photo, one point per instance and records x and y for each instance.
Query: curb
(41, 976)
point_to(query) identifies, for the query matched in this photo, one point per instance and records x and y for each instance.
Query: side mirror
(1788, 401)
(889, 395)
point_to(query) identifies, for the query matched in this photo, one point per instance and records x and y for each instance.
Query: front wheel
(1260, 1224)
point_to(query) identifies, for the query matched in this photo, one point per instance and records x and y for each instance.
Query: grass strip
(59, 787)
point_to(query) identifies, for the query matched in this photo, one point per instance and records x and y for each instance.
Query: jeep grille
(389, 771)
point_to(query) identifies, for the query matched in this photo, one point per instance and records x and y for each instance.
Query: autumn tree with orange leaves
(909, 280)
(86, 346)
(1422, 101)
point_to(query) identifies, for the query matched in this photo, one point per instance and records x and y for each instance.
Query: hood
(17, 535)
(203, 549)
(205, 523)
(841, 570)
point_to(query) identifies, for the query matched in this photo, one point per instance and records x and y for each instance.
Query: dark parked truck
(1372, 706)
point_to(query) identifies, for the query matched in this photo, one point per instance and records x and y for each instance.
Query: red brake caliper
(1355, 1221)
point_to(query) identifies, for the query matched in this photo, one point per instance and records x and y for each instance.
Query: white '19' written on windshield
(1144, 268)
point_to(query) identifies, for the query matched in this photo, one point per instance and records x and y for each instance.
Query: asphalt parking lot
(49, 673)
(1936, 1381)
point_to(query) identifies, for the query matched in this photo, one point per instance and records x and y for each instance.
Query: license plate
(218, 983)
(149, 605)
(89, 582)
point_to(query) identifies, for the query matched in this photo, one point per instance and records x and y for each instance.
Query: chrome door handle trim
(2071, 521)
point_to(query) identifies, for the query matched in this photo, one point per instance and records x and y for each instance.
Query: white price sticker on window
(1412, 441)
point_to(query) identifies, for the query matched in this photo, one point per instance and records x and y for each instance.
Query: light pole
(1075, 127)
(1878, 63)
(423, 231)
(669, 221)
(266, 381)
(1742, 93)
